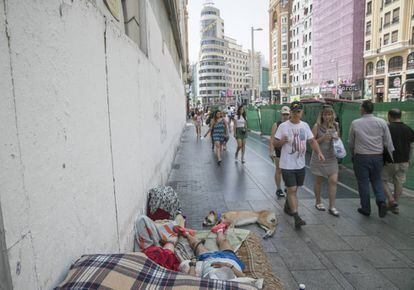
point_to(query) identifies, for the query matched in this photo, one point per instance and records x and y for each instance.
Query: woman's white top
(240, 123)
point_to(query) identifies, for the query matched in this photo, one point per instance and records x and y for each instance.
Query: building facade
(83, 85)
(212, 64)
(264, 79)
(224, 68)
(301, 49)
(337, 50)
(237, 65)
(257, 69)
(279, 58)
(389, 49)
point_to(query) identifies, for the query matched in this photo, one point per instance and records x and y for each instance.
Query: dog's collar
(218, 216)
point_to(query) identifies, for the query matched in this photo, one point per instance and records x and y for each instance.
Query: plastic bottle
(302, 286)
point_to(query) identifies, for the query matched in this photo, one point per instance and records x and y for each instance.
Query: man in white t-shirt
(291, 137)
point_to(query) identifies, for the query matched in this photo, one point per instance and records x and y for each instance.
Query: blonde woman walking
(325, 131)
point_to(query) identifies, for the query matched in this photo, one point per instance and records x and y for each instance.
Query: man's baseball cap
(285, 110)
(296, 106)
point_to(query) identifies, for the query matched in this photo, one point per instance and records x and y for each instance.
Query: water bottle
(302, 286)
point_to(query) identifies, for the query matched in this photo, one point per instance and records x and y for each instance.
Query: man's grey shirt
(369, 135)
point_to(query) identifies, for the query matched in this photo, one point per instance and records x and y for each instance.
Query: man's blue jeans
(368, 170)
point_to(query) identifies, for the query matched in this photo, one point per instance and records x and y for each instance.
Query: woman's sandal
(320, 206)
(333, 211)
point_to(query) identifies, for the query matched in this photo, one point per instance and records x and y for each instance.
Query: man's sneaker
(221, 226)
(395, 210)
(382, 209)
(280, 193)
(287, 209)
(299, 222)
(363, 212)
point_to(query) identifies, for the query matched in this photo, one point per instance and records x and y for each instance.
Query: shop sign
(397, 82)
(349, 88)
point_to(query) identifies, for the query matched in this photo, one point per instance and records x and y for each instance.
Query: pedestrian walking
(326, 130)
(218, 132)
(292, 136)
(395, 168)
(198, 122)
(241, 132)
(274, 151)
(368, 136)
(227, 123)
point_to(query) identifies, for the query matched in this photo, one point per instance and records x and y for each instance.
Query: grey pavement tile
(391, 236)
(350, 262)
(235, 205)
(370, 281)
(402, 278)
(278, 265)
(288, 281)
(266, 243)
(402, 224)
(316, 279)
(245, 194)
(284, 228)
(267, 204)
(408, 253)
(296, 254)
(342, 226)
(309, 216)
(358, 271)
(325, 238)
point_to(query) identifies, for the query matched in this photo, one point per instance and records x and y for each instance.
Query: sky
(239, 16)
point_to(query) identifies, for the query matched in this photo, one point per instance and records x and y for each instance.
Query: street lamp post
(227, 82)
(252, 60)
(337, 77)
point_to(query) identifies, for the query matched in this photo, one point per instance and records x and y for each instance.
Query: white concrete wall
(88, 124)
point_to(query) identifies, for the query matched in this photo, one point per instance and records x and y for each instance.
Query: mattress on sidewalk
(134, 271)
(248, 248)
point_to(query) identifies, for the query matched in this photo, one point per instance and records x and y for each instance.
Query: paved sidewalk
(350, 252)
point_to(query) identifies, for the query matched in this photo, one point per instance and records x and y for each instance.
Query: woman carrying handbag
(326, 131)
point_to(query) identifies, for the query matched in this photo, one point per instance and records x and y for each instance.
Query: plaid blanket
(134, 271)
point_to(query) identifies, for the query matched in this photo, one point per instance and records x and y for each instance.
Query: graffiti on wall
(160, 116)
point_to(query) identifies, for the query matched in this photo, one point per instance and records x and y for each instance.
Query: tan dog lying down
(264, 218)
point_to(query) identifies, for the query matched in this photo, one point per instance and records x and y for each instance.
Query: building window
(284, 78)
(368, 28)
(380, 28)
(380, 66)
(135, 22)
(396, 15)
(369, 8)
(387, 2)
(310, 36)
(369, 69)
(395, 64)
(386, 38)
(387, 19)
(394, 37)
(412, 35)
(368, 45)
(410, 61)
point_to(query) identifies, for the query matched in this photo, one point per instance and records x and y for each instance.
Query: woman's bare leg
(333, 184)
(317, 188)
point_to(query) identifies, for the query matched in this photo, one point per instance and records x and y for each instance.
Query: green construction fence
(262, 119)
